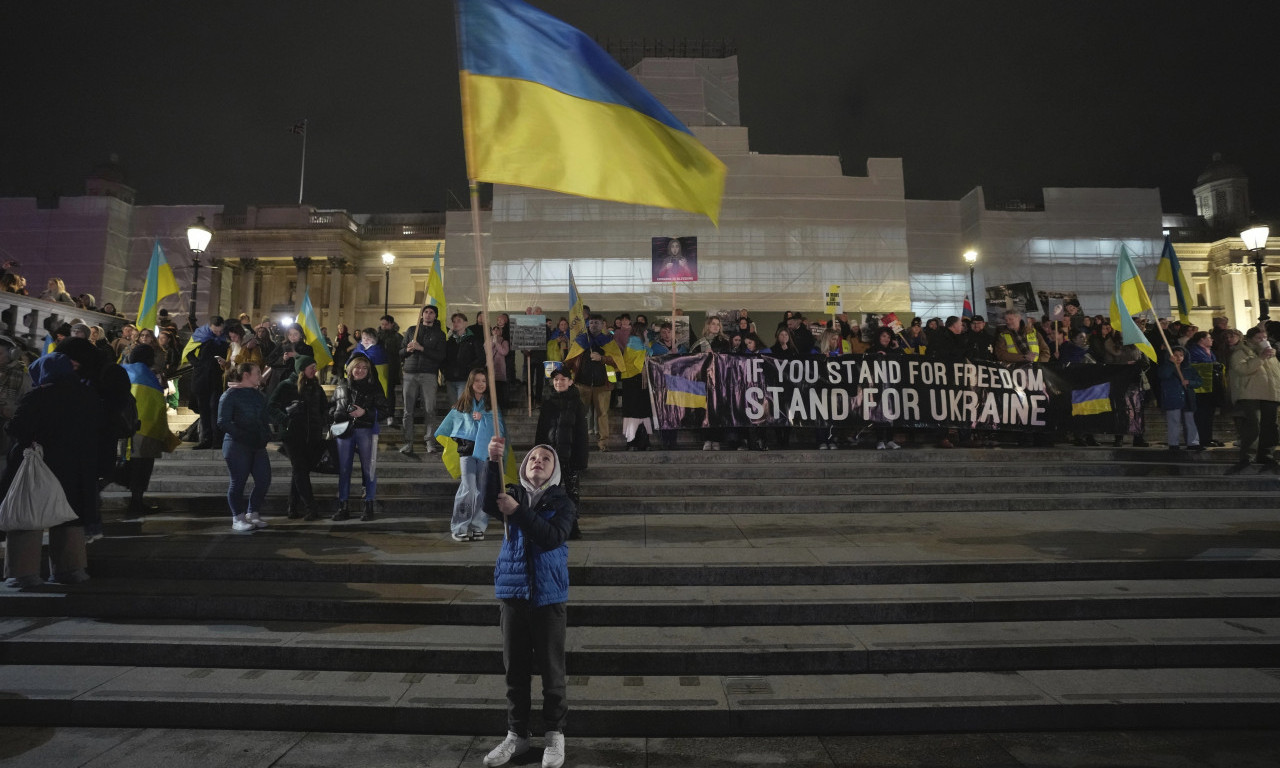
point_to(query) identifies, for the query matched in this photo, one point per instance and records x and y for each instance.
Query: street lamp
(388, 259)
(1255, 239)
(198, 237)
(971, 258)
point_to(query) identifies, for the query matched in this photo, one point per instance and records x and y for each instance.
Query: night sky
(1012, 96)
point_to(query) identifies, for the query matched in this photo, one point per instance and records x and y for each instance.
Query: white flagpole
(303, 177)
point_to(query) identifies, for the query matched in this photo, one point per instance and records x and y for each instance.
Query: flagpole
(483, 283)
(303, 177)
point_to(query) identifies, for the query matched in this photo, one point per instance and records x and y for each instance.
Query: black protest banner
(906, 391)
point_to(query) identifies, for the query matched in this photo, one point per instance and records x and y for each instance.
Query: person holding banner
(1019, 342)
(884, 345)
(711, 340)
(1178, 382)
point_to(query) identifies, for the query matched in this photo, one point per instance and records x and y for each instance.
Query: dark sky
(1012, 96)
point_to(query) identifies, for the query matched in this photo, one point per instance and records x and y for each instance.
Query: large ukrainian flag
(160, 284)
(1130, 299)
(1170, 273)
(544, 106)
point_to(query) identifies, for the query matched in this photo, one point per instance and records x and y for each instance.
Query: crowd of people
(251, 385)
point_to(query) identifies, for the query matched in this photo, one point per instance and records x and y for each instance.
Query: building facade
(790, 227)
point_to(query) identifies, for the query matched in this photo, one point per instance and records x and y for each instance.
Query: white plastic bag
(35, 500)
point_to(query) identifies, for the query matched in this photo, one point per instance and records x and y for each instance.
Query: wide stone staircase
(714, 593)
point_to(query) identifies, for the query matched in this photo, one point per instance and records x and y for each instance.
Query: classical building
(273, 254)
(791, 226)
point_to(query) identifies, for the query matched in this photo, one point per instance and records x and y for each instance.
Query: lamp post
(971, 258)
(1255, 239)
(198, 237)
(388, 259)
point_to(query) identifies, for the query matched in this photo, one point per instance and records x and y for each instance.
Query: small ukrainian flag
(1091, 400)
(685, 393)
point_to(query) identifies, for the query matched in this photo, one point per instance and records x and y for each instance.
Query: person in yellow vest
(1019, 342)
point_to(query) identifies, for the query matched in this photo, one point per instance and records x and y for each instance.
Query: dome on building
(111, 170)
(1219, 170)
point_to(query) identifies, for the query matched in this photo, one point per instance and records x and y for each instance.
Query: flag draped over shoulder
(160, 283)
(543, 106)
(1170, 273)
(1130, 299)
(152, 409)
(311, 331)
(435, 290)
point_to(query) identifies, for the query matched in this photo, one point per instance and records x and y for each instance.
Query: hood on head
(51, 368)
(555, 470)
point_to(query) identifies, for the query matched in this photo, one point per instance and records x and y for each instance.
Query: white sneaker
(257, 521)
(706, 446)
(512, 746)
(553, 750)
(892, 445)
(833, 446)
(715, 446)
(822, 446)
(240, 525)
(880, 446)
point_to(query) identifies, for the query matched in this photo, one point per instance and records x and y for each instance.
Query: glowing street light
(388, 259)
(1255, 239)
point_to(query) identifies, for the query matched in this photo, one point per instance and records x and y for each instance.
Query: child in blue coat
(531, 579)
(1178, 381)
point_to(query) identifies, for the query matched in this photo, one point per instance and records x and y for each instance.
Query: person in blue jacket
(1178, 382)
(531, 578)
(470, 423)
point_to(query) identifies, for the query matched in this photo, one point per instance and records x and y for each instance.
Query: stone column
(303, 263)
(216, 268)
(336, 265)
(248, 274)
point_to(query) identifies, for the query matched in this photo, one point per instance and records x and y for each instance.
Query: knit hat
(301, 362)
(142, 353)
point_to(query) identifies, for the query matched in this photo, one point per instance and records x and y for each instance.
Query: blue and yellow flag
(1170, 273)
(685, 393)
(160, 284)
(435, 290)
(1091, 400)
(577, 319)
(543, 106)
(311, 331)
(1130, 299)
(633, 358)
(453, 462)
(152, 410)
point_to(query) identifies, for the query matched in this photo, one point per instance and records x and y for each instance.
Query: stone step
(599, 485)
(977, 502)
(204, 561)
(795, 465)
(646, 650)
(910, 455)
(252, 600)
(642, 705)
